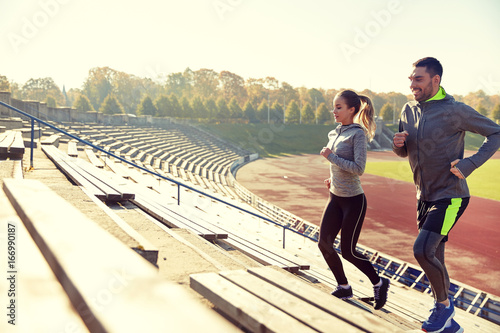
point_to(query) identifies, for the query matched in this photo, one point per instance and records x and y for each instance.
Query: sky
(329, 44)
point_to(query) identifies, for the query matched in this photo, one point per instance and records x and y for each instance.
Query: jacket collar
(441, 94)
(342, 128)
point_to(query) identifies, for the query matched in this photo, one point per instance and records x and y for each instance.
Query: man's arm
(473, 121)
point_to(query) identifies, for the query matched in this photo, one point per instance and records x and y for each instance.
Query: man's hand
(455, 170)
(399, 139)
(325, 152)
(327, 183)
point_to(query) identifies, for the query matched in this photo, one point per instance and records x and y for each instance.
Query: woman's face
(342, 113)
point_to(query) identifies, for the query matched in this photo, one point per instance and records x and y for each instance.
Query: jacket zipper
(420, 135)
(340, 132)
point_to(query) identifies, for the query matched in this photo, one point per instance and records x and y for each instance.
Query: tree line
(213, 97)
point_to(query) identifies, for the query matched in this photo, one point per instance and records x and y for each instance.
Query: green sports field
(274, 140)
(484, 182)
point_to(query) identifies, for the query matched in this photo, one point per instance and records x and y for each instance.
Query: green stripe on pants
(451, 215)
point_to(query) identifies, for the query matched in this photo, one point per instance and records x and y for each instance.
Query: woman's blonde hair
(363, 110)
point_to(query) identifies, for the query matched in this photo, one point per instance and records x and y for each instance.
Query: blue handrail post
(178, 194)
(284, 229)
(32, 141)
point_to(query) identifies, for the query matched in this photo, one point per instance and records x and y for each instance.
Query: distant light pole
(300, 113)
(268, 108)
(393, 111)
(284, 108)
(316, 111)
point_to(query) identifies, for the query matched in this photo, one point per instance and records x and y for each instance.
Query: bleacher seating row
(155, 197)
(11, 144)
(114, 290)
(186, 154)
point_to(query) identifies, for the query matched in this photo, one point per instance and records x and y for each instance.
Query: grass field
(481, 182)
(273, 140)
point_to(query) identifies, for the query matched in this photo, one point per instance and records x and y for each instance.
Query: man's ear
(436, 79)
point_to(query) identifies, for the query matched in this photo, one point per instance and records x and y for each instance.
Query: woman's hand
(327, 183)
(325, 152)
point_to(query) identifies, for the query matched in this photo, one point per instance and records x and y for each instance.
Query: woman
(346, 207)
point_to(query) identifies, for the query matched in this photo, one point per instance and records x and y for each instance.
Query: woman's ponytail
(366, 116)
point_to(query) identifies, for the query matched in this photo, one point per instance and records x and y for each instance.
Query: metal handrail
(33, 118)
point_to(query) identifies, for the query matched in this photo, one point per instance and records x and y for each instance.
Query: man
(431, 134)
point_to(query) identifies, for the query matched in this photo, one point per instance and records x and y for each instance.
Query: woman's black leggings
(345, 214)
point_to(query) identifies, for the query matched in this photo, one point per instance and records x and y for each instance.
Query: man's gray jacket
(436, 138)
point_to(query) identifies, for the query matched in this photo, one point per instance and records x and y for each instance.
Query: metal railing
(179, 184)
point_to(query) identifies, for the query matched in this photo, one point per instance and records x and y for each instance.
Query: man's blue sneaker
(454, 328)
(438, 318)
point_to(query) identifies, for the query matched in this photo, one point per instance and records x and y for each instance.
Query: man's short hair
(432, 66)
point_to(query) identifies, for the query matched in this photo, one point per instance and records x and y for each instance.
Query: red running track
(295, 183)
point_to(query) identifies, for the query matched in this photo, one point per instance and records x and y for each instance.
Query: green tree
(187, 110)
(288, 92)
(163, 106)
(15, 90)
(110, 105)
(146, 108)
(263, 111)
(235, 110)
(307, 114)
(4, 83)
(397, 100)
(189, 79)
(232, 86)
(83, 104)
(256, 91)
(176, 84)
(129, 90)
(495, 113)
(476, 99)
(292, 113)
(316, 96)
(39, 89)
(98, 85)
(199, 110)
(73, 94)
(206, 82)
(276, 112)
(51, 102)
(249, 112)
(222, 109)
(322, 114)
(482, 110)
(176, 106)
(211, 108)
(387, 112)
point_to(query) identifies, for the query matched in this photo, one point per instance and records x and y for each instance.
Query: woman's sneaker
(342, 293)
(380, 293)
(439, 317)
